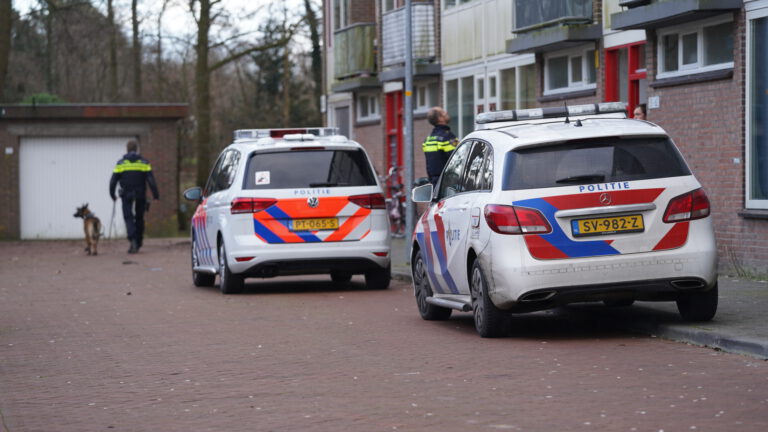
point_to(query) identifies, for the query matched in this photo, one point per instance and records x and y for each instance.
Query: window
(340, 14)
(223, 173)
(453, 3)
(368, 107)
(451, 177)
(389, 5)
(467, 105)
(309, 168)
(476, 176)
(700, 47)
(518, 87)
(568, 71)
(426, 96)
(757, 109)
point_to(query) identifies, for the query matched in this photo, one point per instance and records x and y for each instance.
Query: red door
(625, 75)
(394, 127)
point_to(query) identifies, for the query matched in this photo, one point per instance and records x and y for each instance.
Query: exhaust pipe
(537, 296)
(688, 284)
(450, 304)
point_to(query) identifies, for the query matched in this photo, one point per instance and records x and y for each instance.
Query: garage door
(58, 174)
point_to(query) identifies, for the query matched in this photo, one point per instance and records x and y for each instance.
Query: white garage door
(58, 174)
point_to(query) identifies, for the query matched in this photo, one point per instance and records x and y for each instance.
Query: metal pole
(408, 126)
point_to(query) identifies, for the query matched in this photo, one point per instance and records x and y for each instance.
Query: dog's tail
(97, 232)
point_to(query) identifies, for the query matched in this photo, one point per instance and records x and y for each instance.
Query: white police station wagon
(287, 202)
(544, 207)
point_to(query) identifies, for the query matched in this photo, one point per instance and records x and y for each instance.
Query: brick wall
(362, 11)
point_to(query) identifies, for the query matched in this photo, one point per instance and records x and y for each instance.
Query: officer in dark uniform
(133, 172)
(439, 144)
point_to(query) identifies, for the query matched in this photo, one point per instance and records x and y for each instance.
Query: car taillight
(370, 201)
(690, 206)
(250, 205)
(505, 219)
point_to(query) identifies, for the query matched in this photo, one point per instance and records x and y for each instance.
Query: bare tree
(205, 14)
(112, 52)
(6, 8)
(136, 50)
(317, 59)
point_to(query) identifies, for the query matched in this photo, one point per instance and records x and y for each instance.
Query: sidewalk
(740, 326)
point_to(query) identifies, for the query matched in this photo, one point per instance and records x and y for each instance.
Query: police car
(287, 202)
(544, 207)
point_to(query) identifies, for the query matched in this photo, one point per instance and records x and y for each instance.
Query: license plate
(315, 224)
(607, 225)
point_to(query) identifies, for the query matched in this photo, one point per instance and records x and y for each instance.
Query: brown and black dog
(92, 228)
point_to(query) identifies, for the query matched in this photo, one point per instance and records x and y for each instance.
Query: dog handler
(133, 172)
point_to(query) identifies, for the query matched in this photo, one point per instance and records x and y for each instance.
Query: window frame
(571, 54)
(370, 101)
(760, 12)
(683, 31)
(429, 87)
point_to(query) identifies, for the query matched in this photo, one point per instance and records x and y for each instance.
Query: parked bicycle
(395, 202)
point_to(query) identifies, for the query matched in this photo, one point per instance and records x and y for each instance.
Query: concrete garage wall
(155, 126)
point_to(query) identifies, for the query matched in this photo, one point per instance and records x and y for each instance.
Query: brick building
(699, 66)
(58, 157)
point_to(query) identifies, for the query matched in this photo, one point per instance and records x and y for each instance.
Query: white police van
(288, 202)
(544, 207)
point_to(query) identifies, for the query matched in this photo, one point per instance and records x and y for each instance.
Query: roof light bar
(248, 134)
(552, 112)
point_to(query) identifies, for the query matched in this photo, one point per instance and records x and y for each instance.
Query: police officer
(133, 172)
(439, 144)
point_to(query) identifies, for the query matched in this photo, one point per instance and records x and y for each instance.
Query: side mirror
(421, 181)
(193, 194)
(422, 194)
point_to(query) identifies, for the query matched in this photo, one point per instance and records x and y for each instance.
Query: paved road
(125, 343)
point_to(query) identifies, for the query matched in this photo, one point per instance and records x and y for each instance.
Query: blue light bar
(552, 112)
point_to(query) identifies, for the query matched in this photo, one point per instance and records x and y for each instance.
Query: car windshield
(308, 168)
(602, 160)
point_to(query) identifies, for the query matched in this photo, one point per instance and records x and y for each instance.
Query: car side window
(472, 175)
(228, 170)
(450, 182)
(212, 183)
(486, 177)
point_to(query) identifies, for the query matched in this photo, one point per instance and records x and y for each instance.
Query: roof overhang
(355, 84)
(419, 70)
(670, 13)
(555, 38)
(94, 111)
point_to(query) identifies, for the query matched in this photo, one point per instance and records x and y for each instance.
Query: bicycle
(395, 203)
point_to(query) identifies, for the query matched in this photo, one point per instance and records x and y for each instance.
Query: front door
(394, 132)
(625, 75)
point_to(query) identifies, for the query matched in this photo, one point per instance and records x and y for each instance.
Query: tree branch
(237, 55)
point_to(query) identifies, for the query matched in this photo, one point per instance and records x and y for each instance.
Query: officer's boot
(134, 247)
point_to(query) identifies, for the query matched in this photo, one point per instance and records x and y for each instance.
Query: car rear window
(308, 168)
(590, 161)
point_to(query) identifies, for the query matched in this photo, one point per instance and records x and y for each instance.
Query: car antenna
(565, 102)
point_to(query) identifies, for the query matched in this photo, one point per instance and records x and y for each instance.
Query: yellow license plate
(315, 224)
(607, 225)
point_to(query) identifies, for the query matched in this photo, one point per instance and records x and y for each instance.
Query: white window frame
(582, 52)
(450, 4)
(422, 106)
(683, 30)
(371, 100)
(757, 11)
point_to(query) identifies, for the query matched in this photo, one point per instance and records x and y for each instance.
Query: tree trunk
(203, 93)
(286, 87)
(317, 55)
(112, 75)
(50, 69)
(136, 52)
(159, 66)
(5, 41)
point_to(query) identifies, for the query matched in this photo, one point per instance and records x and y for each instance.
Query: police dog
(92, 228)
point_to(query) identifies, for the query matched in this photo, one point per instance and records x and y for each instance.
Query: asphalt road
(124, 342)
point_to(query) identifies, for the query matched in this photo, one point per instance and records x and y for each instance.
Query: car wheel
(618, 303)
(341, 277)
(198, 278)
(422, 290)
(699, 306)
(489, 320)
(378, 279)
(228, 283)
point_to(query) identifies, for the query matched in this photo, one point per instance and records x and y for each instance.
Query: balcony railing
(423, 32)
(353, 51)
(534, 14)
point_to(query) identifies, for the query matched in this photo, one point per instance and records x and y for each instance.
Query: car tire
(490, 321)
(198, 278)
(422, 290)
(341, 277)
(229, 283)
(378, 279)
(700, 306)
